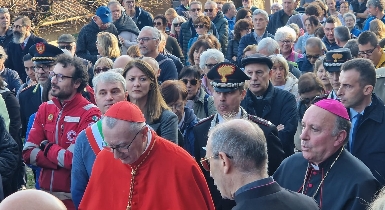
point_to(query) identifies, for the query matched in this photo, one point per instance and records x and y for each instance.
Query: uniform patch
(50, 116)
(40, 48)
(71, 119)
(71, 136)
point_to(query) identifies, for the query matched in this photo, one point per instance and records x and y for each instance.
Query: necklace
(323, 178)
(133, 174)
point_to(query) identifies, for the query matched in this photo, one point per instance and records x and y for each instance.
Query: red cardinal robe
(168, 178)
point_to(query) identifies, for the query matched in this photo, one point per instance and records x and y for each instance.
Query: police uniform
(333, 61)
(227, 77)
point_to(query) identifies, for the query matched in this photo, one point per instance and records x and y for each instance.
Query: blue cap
(105, 14)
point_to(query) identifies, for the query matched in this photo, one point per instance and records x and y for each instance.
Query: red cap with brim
(333, 106)
(126, 111)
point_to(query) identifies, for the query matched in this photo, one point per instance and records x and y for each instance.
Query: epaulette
(29, 86)
(205, 119)
(259, 120)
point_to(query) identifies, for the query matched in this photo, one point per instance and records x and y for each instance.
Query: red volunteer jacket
(60, 125)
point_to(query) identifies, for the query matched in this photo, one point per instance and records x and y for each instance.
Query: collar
(69, 103)
(327, 163)
(381, 63)
(254, 184)
(217, 119)
(229, 19)
(26, 40)
(221, 119)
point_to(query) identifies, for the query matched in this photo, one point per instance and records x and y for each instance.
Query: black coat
(29, 100)
(274, 151)
(276, 21)
(279, 107)
(273, 197)
(16, 54)
(232, 50)
(13, 109)
(4, 41)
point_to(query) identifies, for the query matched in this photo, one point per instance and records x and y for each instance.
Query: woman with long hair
(241, 28)
(107, 45)
(143, 91)
(175, 27)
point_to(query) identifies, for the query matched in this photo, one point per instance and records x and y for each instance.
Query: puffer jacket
(223, 30)
(190, 120)
(232, 50)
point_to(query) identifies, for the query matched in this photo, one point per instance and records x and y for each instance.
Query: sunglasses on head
(209, 10)
(157, 23)
(194, 10)
(177, 24)
(199, 25)
(99, 69)
(192, 81)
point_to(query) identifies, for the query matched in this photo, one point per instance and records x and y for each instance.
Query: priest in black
(236, 156)
(324, 170)
(228, 81)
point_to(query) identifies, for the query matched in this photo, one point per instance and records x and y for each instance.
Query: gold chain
(322, 180)
(133, 174)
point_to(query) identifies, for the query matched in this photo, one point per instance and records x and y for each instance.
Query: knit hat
(333, 106)
(126, 111)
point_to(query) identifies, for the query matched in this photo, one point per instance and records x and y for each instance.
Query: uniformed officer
(228, 81)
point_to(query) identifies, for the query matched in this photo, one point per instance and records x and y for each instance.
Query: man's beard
(18, 37)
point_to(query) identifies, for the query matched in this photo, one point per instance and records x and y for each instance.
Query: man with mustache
(228, 81)
(6, 32)
(324, 169)
(22, 40)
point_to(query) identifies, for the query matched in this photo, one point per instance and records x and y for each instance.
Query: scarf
(125, 23)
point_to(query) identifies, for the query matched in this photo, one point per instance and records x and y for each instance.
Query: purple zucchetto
(333, 106)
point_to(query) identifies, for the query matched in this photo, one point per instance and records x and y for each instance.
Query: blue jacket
(246, 40)
(168, 69)
(190, 120)
(222, 27)
(11, 77)
(142, 18)
(369, 144)
(355, 31)
(279, 107)
(181, 11)
(36, 168)
(367, 23)
(304, 65)
(330, 46)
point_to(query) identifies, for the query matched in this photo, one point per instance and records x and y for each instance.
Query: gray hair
(4, 10)
(349, 14)
(376, 3)
(261, 11)
(227, 6)
(133, 126)
(276, 5)
(353, 46)
(213, 3)
(316, 42)
(196, 2)
(154, 32)
(2, 52)
(342, 33)
(244, 141)
(285, 32)
(108, 77)
(113, 2)
(269, 45)
(342, 124)
(210, 53)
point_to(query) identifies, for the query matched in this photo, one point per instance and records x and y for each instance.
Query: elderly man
(268, 102)
(51, 141)
(315, 48)
(228, 82)
(149, 38)
(110, 88)
(260, 21)
(134, 163)
(280, 18)
(68, 42)
(220, 22)
(236, 157)
(376, 11)
(329, 40)
(352, 45)
(6, 33)
(324, 170)
(101, 21)
(367, 113)
(140, 16)
(341, 35)
(22, 40)
(229, 13)
(350, 22)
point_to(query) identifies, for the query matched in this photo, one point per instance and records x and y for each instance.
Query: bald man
(315, 48)
(32, 200)
(122, 61)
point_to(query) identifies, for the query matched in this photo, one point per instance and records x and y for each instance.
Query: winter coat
(223, 30)
(330, 46)
(291, 85)
(275, 21)
(246, 40)
(304, 65)
(11, 77)
(128, 30)
(204, 105)
(232, 50)
(190, 120)
(142, 18)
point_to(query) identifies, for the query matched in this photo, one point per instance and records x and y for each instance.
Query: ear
(368, 89)
(270, 73)
(340, 138)
(77, 84)
(225, 162)
(243, 94)
(125, 94)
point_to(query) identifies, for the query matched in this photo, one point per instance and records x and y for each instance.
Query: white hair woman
(208, 60)
(281, 77)
(286, 36)
(175, 27)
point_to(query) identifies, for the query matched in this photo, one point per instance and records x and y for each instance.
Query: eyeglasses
(194, 10)
(206, 163)
(177, 24)
(67, 47)
(122, 149)
(209, 10)
(145, 39)
(59, 77)
(209, 66)
(309, 57)
(286, 41)
(199, 25)
(157, 23)
(100, 69)
(176, 106)
(368, 52)
(192, 81)
(43, 67)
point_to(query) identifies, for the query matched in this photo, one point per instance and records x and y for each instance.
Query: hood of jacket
(125, 23)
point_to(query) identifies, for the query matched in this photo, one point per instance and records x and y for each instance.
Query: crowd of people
(280, 108)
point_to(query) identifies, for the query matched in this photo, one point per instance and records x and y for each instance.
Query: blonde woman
(103, 64)
(175, 27)
(170, 16)
(281, 77)
(107, 45)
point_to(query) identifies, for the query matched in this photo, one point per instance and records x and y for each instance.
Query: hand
(280, 127)
(43, 144)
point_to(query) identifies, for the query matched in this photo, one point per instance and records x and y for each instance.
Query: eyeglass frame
(195, 9)
(145, 39)
(58, 76)
(118, 148)
(367, 52)
(67, 46)
(155, 23)
(208, 10)
(206, 163)
(199, 25)
(191, 81)
(45, 68)
(178, 24)
(176, 106)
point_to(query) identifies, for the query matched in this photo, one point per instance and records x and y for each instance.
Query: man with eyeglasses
(315, 48)
(329, 40)
(140, 16)
(6, 32)
(101, 22)
(22, 40)
(187, 30)
(237, 156)
(51, 141)
(139, 165)
(280, 18)
(228, 82)
(183, 9)
(220, 22)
